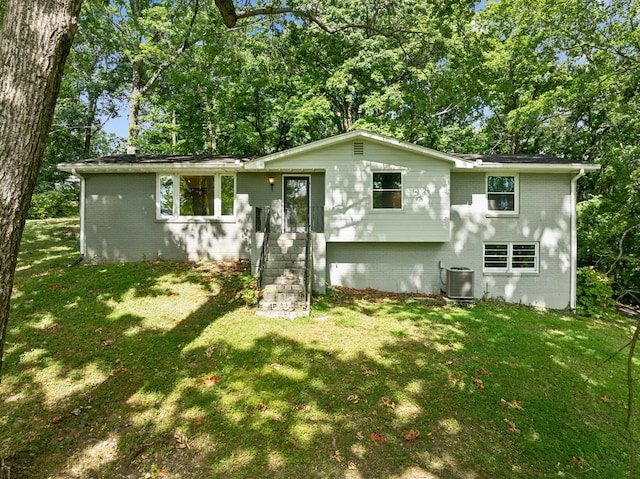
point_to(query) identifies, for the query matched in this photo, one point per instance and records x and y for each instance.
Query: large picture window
(187, 196)
(387, 190)
(511, 257)
(502, 194)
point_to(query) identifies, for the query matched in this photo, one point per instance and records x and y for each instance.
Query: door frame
(284, 198)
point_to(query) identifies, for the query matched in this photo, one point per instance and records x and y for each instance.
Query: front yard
(161, 370)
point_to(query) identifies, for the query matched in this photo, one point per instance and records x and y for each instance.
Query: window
(502, 194)
(511, 257)
(187, 196)
(227, 195)
(197, 195)
(387, 190)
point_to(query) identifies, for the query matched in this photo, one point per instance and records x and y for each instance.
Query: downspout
(83, 246)
(574, 238)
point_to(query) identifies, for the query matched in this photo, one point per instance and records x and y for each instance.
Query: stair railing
(308, 264)
(265, 250)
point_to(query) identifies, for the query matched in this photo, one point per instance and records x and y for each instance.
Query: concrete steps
(283, 279)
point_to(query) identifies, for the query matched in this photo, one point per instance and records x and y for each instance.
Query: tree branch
(621, 255)
(187, 43)
(230, 18)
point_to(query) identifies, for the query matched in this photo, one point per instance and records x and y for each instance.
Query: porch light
(272, 181)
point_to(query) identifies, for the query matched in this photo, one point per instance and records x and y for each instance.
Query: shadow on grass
(186, 382)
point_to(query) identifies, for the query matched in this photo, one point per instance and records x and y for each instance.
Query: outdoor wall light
(272, 181)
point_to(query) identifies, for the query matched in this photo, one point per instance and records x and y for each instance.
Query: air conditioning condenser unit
(459, 283)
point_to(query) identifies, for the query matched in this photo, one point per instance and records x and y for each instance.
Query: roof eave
(532, 167)
(146, 168)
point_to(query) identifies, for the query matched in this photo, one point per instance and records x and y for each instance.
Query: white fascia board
(532, 168)
(149, 168)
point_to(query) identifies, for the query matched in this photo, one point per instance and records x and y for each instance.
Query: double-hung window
(387, 190)
(190, 196)
(502, 194)
(511, 257)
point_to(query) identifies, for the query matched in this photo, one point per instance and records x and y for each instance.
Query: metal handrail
(265, 243)
(307, 267)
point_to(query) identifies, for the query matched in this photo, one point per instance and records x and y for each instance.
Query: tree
(34, 43)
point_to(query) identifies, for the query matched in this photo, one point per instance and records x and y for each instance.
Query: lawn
(162, 370)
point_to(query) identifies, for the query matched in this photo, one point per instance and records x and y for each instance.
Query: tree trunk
(34, 43)
(134, 106)
(92, 105)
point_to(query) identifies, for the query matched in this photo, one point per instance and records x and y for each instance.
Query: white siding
(349, 215)
(121, 225)
(545, 218)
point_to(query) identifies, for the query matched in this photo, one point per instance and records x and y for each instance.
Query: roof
(518, 158)
(132, 163)
(526, 163)
(135, 163)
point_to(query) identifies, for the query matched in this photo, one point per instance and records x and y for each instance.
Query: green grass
(161, 370)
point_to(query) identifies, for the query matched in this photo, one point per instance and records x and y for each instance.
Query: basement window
(511, 257)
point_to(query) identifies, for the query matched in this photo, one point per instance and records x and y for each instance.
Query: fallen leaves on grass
(452, 379)
(378, 438)
(59, 419)
(353, 398)
(511, 427)
(212, 381)
(478, 382)
(482, 372)
(335, 454)
(181, 440)
(515, 404)
(410, 435)
(344, 295)
(604, 399)
(107, 342)
(389, 403)
(578, 461)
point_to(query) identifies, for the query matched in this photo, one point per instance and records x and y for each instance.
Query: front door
(296, 204)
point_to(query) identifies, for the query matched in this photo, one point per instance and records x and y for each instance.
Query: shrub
(595, 294)
(53, 204)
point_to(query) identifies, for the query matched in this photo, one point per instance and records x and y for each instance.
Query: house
(380, 213)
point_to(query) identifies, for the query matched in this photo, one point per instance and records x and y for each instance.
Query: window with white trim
(189, 196)
(387, 190)
(502, 194)
(511, 257)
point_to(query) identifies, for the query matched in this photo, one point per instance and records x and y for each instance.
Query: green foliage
(609, 238)
(595, 294)
(54, 204)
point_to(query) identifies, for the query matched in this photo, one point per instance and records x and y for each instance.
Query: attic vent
(358, 148)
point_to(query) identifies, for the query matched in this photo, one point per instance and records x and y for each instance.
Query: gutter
(83, 246)
(574, 239)
(148, 168)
